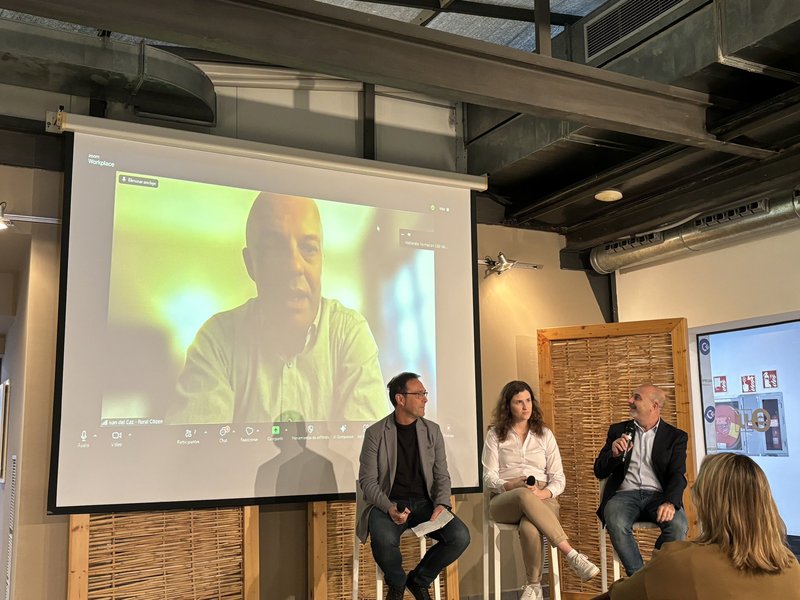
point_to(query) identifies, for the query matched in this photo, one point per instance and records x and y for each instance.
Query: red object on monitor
(770, 379)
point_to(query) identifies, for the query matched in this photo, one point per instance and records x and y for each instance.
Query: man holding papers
(403, 482)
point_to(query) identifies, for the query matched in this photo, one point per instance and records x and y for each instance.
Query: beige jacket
(690, 571)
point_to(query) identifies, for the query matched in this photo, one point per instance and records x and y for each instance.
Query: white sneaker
(583, 567)
(532, 591)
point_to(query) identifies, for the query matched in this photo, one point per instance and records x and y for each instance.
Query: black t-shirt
(409, 481)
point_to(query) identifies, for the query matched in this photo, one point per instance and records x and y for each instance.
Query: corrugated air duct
(723, 226)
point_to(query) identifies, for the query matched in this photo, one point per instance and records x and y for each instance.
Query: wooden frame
(91, 574)
(607, 355)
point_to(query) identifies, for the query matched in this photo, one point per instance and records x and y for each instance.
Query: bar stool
(615, 564)
(423, 547)
(491, 531)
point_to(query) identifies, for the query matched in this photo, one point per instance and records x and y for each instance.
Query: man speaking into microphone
(644, 462)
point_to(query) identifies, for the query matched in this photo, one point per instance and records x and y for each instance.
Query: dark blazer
(378, 464)
(669, 463)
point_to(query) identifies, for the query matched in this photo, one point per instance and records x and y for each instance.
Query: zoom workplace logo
(94, 159)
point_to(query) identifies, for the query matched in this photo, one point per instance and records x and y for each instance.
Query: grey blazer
(378, 464)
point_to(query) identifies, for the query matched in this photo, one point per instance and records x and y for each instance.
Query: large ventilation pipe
(721, 227)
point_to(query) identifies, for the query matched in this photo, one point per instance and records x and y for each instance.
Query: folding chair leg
(356, 561)
(496, 554)
(485, 559)
(603, 561)
(555, 571)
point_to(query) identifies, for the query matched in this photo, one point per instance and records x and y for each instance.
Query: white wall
(754, 281)
(13, 370)
(512, 307)
(755, 278)
(40, 540)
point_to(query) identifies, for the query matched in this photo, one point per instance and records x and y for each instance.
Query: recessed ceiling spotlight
(609, 195)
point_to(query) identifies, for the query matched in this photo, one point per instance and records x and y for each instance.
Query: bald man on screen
(287, 349)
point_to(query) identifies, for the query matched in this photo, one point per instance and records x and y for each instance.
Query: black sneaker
(419, 592)
(395, 592)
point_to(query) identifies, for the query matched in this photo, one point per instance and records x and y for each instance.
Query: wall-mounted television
(750, 393)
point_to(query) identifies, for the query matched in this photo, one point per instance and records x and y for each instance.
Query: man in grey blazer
(403, 481)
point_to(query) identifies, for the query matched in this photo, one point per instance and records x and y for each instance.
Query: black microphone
(531, 480)
(628, 435)
(401, 506)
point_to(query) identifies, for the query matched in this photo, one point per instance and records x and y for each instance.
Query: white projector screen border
(108, 452)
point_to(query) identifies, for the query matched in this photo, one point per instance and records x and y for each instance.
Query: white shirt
(640, 475)
(537, 455)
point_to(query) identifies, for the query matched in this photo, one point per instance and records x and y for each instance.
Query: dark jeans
(624, 509)
(384, 534)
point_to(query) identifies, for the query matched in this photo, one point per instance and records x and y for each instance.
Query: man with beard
(644, 460)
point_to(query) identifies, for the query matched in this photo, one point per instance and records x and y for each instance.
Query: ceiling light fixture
(7, 220)
(609, 195)
(5, 223)
(502, 264)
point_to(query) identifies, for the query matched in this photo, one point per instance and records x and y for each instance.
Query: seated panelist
(644, 462)
(403, 482)
(518, 449)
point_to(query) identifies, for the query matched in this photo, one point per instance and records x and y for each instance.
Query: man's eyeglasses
(423, 394)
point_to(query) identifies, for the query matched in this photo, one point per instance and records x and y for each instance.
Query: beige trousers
(535, 517)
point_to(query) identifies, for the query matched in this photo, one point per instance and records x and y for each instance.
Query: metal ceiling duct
(153, 81)
(721, 227)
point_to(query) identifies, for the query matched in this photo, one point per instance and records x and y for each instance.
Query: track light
(7, 220)
(5, 223)
(503, 264)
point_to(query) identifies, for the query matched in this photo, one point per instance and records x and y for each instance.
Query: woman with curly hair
(520, 448)
(741, 551)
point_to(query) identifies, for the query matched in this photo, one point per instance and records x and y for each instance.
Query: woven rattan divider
(192, 555)
(585, 375)
(331, 533)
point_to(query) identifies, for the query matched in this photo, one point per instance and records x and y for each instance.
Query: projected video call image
(265, 307)
(230, 322)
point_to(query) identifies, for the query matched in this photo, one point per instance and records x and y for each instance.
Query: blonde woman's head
(736, 511)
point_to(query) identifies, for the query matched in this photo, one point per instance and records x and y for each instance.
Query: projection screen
(231, 313)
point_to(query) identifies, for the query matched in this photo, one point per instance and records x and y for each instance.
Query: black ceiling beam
(481, 9)
(318, 37)
(780, 112)
(735, 184)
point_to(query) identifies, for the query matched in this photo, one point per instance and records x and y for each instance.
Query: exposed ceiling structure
(684, 106)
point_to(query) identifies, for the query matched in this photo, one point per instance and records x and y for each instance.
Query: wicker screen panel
(590, 380)
(340, 536)
(193, 554)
